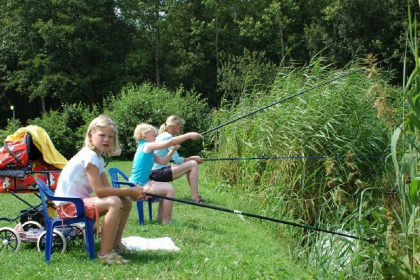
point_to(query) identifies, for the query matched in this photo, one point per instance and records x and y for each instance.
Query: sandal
(200, 200)
(112, 258)
(121, 249)
(175, 223)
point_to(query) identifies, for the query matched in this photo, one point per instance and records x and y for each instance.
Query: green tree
(70, 51)
(343, 32)
(151, 104)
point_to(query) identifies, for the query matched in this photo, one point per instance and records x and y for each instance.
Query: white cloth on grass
(140, 244)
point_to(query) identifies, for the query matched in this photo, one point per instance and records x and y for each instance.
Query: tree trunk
(157, 45)
(217, 48)
(281, 38)
(43, 104)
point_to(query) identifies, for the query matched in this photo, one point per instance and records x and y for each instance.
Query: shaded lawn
(214, 245)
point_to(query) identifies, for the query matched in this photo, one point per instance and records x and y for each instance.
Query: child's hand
(176, 147)
(194, 135)
(198, 159)
(138, 193)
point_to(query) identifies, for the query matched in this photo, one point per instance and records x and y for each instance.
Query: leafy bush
(12, 126)
(242, 75)
(153, 105)
(67, 127)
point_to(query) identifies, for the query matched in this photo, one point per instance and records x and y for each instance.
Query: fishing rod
(258, 216)
(285, 157)
(296, 94)
(256, 111)
(280, 101)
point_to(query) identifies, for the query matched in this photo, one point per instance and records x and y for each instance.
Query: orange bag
(15, 153)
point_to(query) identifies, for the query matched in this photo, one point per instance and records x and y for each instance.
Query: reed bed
(331, 148)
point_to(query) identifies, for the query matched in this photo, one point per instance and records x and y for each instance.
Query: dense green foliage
(153, 105)
(337, 119)
(346, 143)
(60, 51)
(330, 168)
(397, 254)
(55, 51)
(67, 126)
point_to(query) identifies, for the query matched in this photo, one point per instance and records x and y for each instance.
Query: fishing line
(258, 216)
(294, 95)
(249, 114)
(289, 157)
(279, 101)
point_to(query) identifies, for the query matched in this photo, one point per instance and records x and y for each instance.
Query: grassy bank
(213, 245)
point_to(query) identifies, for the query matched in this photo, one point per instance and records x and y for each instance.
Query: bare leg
(127, 205)
(112, 208)
(165, 206)
(190, 169)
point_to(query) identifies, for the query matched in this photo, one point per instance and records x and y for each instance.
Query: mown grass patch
(214, 245)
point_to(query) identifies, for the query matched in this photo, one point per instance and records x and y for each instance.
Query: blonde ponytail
(171, 121)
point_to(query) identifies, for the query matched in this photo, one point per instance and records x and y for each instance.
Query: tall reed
(397, 254)
(332, 145)
(330, 137)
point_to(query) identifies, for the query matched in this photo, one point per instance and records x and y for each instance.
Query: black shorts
(161, 175)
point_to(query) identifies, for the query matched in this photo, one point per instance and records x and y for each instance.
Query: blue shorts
(162, 175)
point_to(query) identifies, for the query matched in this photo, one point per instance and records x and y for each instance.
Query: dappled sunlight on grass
(213, 245)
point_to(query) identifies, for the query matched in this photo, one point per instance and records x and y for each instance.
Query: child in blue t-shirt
(145, 136)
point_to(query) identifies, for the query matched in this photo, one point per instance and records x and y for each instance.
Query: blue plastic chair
(51, 222)
(115, 175)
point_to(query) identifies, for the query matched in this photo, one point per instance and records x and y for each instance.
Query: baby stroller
(26, 155)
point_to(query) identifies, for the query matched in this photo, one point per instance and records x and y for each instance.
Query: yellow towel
(43, 142)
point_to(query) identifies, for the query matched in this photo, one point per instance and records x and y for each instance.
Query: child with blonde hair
(187, 166)
(145, 136)
(85, 174)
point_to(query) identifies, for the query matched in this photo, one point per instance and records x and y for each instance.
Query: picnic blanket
(141, 244)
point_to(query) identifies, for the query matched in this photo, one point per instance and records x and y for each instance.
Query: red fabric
(14, 153)
(68, 211)
(28, 182)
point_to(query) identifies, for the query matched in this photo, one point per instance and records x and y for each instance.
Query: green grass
(214, 245)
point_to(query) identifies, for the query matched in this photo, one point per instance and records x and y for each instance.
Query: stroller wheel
(31, 225)
(76, 236)
(59, 242)
(10, 239)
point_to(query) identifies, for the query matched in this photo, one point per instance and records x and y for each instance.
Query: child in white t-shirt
(84, 175)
